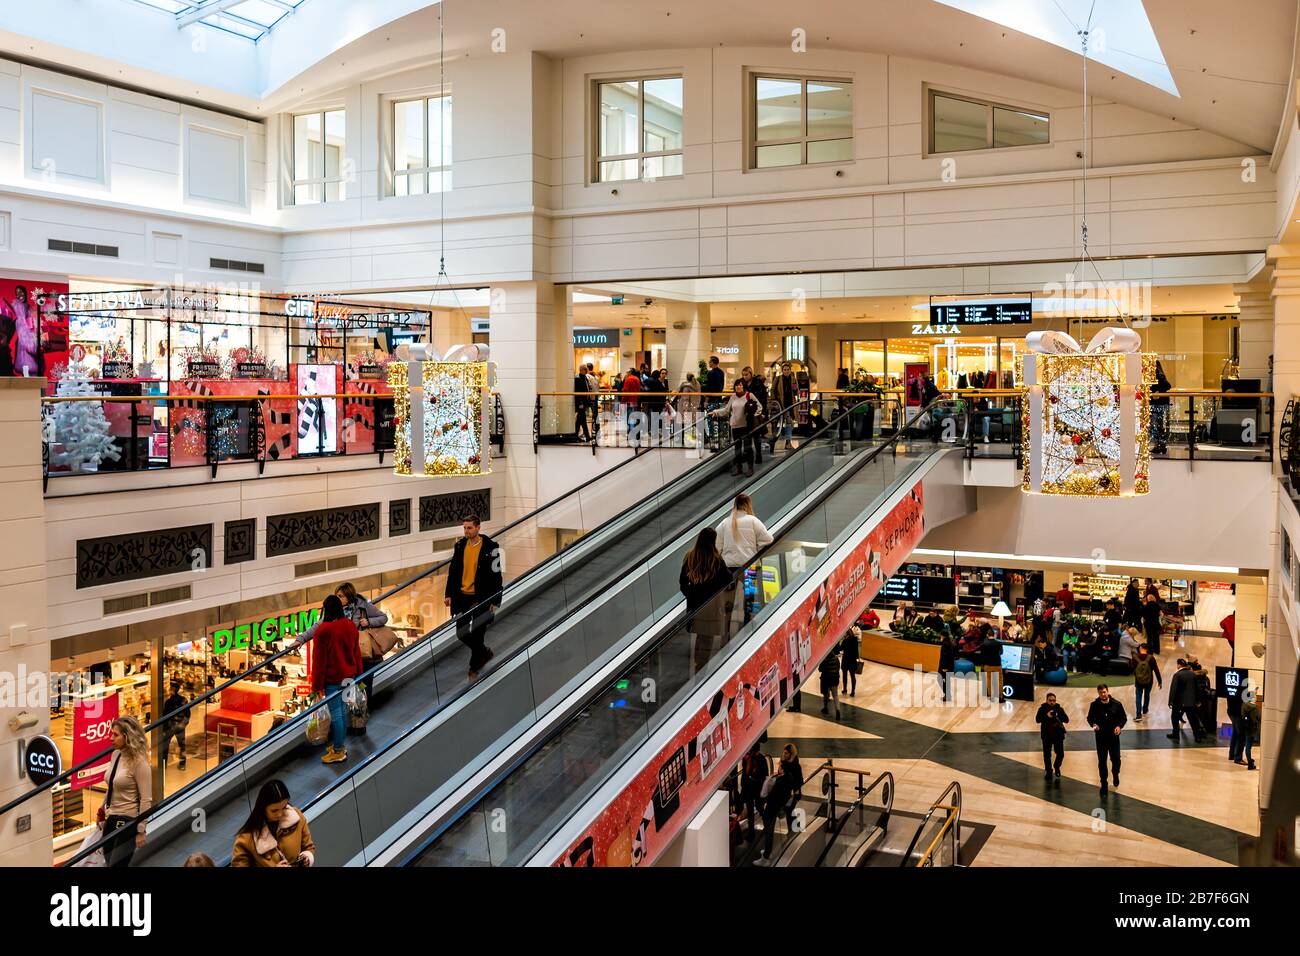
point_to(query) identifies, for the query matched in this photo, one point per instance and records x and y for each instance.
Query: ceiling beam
(204, 10)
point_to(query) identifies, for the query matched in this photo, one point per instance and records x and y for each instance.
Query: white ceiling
(1231, 62)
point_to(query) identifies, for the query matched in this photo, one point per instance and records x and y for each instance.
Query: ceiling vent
(82, 248)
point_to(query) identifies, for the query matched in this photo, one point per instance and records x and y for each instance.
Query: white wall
(71, 517)
(1218, 513)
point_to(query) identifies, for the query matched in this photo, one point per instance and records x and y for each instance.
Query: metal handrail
(954, 816)
(888, 800)
(805, 506)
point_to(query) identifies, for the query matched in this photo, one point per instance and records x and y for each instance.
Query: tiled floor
(1179, 804)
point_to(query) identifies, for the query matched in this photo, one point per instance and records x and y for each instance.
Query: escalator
(566, 614)
(632, 741)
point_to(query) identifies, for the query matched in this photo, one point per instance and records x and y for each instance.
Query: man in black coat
(1107, 718)
(474, 585)
(1051, 719)
(755, 385)
(581, 404)
(1182, 702)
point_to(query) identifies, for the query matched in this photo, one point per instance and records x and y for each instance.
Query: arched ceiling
(1231, 65)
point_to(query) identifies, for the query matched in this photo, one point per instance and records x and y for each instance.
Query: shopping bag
(318, 725)
(356, 705)
(768, 784)
(97, 858)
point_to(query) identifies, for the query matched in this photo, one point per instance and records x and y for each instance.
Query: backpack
(1142, 671)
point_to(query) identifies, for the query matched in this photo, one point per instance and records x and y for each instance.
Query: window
(318, 157)
(638, 129)
(1286, 555)
(801, 121)
(958, 123)
(421, 146)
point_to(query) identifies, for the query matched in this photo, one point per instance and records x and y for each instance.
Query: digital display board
(923, 588)
(986, 312)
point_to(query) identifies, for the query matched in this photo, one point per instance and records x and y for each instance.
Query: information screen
(1017, 657)
(923, 588)
(1006, 312)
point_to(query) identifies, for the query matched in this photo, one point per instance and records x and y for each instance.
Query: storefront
(246, 346)
(99, 676)
(598, 348)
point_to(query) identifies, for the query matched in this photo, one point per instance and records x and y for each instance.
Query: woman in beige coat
(275, 833)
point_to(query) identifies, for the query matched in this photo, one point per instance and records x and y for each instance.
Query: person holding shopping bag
(376, 639)
(336, 663)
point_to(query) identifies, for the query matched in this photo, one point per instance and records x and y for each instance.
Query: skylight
(251, 19)
(1120, 35)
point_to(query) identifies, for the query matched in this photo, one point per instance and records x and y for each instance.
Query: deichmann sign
(263, 630)
(42, 761)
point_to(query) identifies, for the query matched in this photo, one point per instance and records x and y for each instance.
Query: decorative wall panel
(146, 554)
(444, 511)
(325, 528)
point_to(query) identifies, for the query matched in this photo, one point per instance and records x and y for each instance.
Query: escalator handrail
(953, 810)
(839, 824)
(448, 625)
(107, 752)
(806, 506)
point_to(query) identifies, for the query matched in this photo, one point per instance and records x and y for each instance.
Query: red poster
(914, 374)
(642, 820)
(92, 723)
(33, 331)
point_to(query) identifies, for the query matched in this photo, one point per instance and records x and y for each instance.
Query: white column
(688, 339)
(527, 335)
(1255, 333)
(24, 645)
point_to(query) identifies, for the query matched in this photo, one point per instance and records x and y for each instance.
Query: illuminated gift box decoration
(440, 411)
(1088, 414)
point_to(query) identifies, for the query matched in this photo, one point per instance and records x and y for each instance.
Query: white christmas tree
(81, 427)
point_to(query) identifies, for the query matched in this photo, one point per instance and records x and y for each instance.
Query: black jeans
(120, 846)
(1057, 747)
(166, 745)
(471, 629)
(756, 441)
(1193, 718)
(850, 671)
(1107, 746)
(769, 824)
(943, 683)
(1237, 745)
(741, 450)
(580, 427)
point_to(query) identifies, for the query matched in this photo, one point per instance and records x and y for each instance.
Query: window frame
(990, 106)
(323, 180)
(444, 172)
(593, 171)
(803, 139)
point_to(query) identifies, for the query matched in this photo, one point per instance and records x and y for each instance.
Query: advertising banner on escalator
(645, 817)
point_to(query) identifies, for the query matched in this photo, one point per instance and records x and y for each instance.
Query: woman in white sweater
(741, 536)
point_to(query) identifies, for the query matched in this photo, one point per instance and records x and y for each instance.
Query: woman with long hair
(781, 800)
(336, 663)
(130, 792)
(275, 833)
(704, 580)
(365, 616)
(741, 536)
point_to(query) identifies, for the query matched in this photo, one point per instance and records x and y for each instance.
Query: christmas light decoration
(440, 412)
(1088, 415)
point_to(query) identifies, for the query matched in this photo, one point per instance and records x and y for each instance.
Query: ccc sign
(42, 760)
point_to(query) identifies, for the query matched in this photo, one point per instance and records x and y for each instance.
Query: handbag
(382, 639)
(857, 666)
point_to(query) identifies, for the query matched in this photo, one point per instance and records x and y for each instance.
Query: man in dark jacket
(785, 389)
(1182, 702)
(715, 384)
(1151, 622)
(755, 768)
(1051, 719)
(474, 585)
(1106, 717)
(580, 404)
(175, 724)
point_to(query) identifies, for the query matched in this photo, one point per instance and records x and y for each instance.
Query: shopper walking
(739, 410)
(947, 660)
(1051, 719)
(830, 678)
(1236, 744)
(1106, 717)
(367, 618)
(1133, 604)
(129, 793)
(176, 718)
(336, 663)
(474, 583)
(849, 651)
(1182, 702)
(781, 799)
(704, 582)
(785, 390)
(755, 768)
(581, 397)
(1151, 622)
(275, 833)
(1146, 671)
(1250, 723)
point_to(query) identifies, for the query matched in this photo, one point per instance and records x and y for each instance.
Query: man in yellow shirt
(474, 590)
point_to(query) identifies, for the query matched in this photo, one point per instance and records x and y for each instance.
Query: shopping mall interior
(732, 436)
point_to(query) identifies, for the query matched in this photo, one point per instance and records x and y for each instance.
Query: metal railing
(944, 847)
(209, 430)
